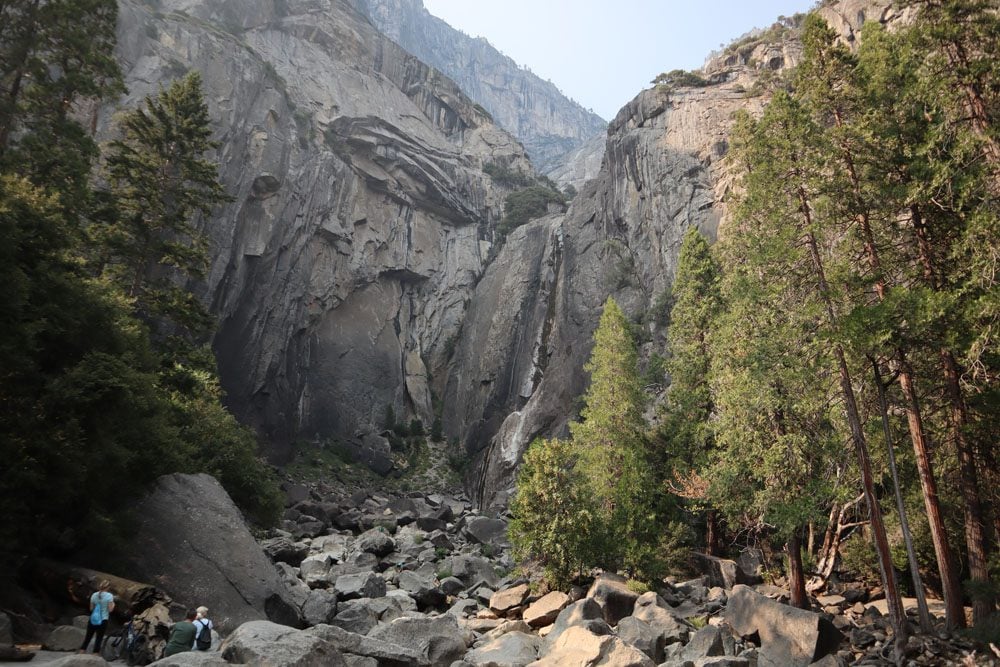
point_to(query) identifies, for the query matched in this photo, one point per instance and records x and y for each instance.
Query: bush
(859, 558)
(551, 521)
(680, 78)
(526, 204)
(504, 175)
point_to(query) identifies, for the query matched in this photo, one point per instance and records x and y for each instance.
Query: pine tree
(832, 85)
(609, 440)
(54, 54)
(686, 430)
(550, 516)
(162, 183)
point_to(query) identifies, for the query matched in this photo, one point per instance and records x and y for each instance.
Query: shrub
(680, 78)
(551, 520)
(526, 204)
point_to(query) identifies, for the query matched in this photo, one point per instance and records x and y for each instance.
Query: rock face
(552, 128)
(192, 542)
(357, 232)
(519, 366)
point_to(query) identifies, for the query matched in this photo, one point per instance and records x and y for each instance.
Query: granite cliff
(361, 217)
(538, 304)
(553, 129)
(354, 269)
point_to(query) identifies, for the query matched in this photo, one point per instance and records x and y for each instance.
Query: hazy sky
(602, 53)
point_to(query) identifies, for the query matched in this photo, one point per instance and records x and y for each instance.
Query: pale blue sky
(602, 53)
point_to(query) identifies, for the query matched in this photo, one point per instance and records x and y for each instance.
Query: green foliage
(680, 78)
(507, 177)
(416, 427)
(523, 205)
(551, 515)
(858, 557)
(94, 405)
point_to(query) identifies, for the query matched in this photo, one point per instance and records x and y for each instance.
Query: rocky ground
(389, 579)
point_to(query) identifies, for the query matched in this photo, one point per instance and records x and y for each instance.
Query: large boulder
(509, 599)
(485, 530)
(545, 610)
(473, 570)
(643, 636)
(652, 609)
(361, 585)
(612, 594)
(193, 659)
(64, 638)
(193, 542)
(578, 646)
(512, 649)
(319, 607)
(788, 636)
(722, 572)
(375, 541)
(385, 654)
(583, 613)
(439, 640)
(268, 644)
(79, 660)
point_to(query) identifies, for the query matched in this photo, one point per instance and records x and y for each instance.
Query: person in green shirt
(181, 635)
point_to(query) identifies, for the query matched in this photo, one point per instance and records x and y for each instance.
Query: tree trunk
(796, 576)
(983, 603)
(893, 601)
(911, 556)
(71, 584)
(711, 533)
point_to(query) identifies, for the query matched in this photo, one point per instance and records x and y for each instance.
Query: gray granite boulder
(65, 638)
(423, 589)
(512, 649)
(788, 636)
(319, 607)
(385, 654)
(360, 585)
(578, 646)
(358, 616)
(264, 643)
(642, 636)
(485, 530)
(652, 609)
(473, 570)
(545, 610)
(193, 542)
(722, 572)
(612, 594)
(439, 640)
(193, 659)
(585, 613)
(375, 541)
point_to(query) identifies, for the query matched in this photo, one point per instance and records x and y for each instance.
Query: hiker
(181, 635)
(102, 603)
(203, 630)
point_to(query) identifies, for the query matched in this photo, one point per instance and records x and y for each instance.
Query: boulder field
(376, 579)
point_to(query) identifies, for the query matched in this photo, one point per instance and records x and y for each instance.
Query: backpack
(203, 640)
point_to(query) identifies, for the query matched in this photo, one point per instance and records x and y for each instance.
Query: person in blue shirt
(102, 603)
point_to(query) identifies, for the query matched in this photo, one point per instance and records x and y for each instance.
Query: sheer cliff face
(539, 302)
(550, 126)
(354, 242)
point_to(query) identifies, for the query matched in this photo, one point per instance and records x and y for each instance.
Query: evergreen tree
(550, 516)
(611, 447)
(161, 182)
(833, 85)
(686, 430)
